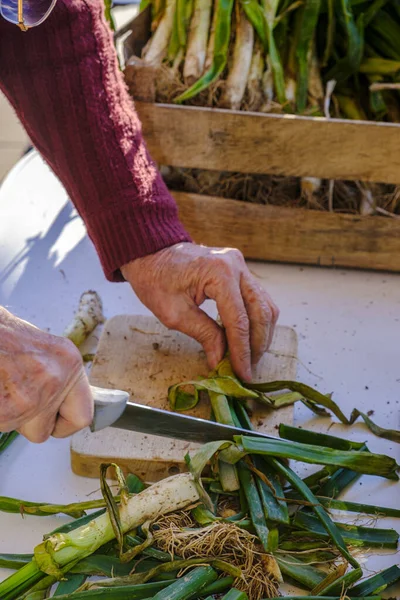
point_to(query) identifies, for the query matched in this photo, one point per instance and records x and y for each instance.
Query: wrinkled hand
(174, 282)
(43, 386)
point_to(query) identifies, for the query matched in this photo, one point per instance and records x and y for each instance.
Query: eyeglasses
(26, 13)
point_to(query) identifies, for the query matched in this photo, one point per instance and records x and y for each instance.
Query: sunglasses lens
(33, 11)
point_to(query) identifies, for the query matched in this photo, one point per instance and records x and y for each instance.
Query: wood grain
(226, 140)
(292, 235)
(139, 355)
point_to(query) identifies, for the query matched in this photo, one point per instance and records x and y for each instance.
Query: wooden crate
(226, 140)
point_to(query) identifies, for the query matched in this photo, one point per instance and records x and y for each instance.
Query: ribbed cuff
(125, 232)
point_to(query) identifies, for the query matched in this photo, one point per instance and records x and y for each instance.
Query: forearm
(64, 82)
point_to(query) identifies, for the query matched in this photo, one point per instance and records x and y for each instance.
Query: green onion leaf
(220, 58)
(389, 434)
(14, 561)
(370, 464)
(296, 434)
(377, 583)
(70, 584)
(380, 511)
(352, 534)
(323, 519)
(6, 439)
(337, 585)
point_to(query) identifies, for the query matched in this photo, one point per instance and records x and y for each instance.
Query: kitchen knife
(112, 408)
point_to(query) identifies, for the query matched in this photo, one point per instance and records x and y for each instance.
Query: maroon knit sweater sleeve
(64, 82)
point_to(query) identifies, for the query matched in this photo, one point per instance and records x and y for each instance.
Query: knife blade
(115, 410)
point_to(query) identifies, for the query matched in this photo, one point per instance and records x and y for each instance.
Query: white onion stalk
(197, 43)
(86, 319)
(238, 73)
(268, 87)
(315, 85)
(169, 495)
(211, 39)
(156, 50)
(309, 187)
(290, 90)
(367, 202)
(254, 80)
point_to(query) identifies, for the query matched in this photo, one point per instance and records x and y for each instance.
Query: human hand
(44, 390)
(174, 282)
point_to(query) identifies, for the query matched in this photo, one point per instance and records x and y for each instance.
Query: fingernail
(212, 360)
(248, 375)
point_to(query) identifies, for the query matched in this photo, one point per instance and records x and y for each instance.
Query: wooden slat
(227, 140)
(292, 235)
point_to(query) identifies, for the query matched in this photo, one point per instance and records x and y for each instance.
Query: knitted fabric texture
(64, 82)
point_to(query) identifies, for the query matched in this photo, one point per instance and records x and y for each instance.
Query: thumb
(76, 411)
(195, 323)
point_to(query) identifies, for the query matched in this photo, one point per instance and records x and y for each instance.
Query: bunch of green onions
(326, 58)
(288, 519)
(279, 55)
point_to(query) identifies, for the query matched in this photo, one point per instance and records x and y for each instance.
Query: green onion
(98, 564)
(14, 561)
(294, 568)
(352, 534)
(383, 511)
(21, 581)
(327, 524)
(371, 464)
(133, 592)
(62, 550)
(311, 557)
(373, 10)
(40, 595)
(218, 586)
(239, 67)
(310, 12)
(180, 399)
(381, 66)
(157, 48)
(161, 568)
(132, 541)
(134, 485)
(305, 391)
(354, 31)
(389, 434)
(71, 583)
(256, 16)
(227, 473)
(194, 581)
(338, 585)
(90, 310)
(43, 509)
(338, 482)
(197, 44)
(296, 434)
(377, 583)
(220, 55)
(235, 594)
(67, 527)
(274, 509)
(6, 439)
(249, 487)
(270, 8)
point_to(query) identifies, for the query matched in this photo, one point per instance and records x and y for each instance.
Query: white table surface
(348, 325)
